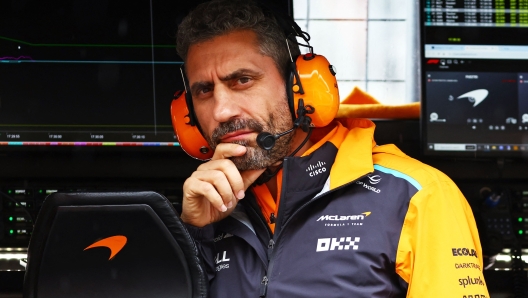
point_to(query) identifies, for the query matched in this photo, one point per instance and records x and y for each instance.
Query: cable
(267, 175)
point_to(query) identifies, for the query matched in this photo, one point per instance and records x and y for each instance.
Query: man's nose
(226, 106)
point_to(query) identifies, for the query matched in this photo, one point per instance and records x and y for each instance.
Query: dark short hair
(219, 17)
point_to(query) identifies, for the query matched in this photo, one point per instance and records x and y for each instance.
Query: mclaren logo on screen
(114, 243)
(475, 96)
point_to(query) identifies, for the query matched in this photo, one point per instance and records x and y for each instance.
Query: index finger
(227, 150)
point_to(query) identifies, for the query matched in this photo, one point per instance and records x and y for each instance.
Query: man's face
(237, 93)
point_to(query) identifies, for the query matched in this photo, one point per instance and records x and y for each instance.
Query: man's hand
(213, 190)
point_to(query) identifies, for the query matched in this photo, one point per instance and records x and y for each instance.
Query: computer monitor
(474, 74)
(86, 88)
(88, 73)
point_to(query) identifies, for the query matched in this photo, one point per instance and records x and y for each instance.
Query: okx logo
(114, 243)
(342, 243)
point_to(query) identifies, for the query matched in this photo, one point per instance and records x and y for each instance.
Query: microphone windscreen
(265, 140)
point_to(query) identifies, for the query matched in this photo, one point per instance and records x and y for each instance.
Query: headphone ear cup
(318, 80)
(189, 136)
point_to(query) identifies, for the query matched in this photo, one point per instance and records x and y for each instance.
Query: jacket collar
(354, 158)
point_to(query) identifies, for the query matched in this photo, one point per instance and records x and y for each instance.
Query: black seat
(117, 244)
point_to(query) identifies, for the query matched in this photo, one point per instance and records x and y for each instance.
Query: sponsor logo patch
(221, 260)
(342, 243)
(343, 220)
(222, 236)
(316, 169)
(459, 252)
(467, 266)
(369, 187)
(374, 179)
(470, 281)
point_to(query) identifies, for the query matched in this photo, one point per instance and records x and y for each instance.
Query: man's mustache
(234, 125)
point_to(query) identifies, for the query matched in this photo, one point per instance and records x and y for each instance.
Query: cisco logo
(316, 169)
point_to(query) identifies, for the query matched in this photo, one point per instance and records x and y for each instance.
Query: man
(341, 218)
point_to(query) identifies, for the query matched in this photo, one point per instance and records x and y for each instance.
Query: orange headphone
(312, 83)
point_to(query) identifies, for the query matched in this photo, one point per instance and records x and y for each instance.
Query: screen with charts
(474, 77)
(88, 73)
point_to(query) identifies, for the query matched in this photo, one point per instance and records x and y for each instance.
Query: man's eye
(244, 80)
(204, 90)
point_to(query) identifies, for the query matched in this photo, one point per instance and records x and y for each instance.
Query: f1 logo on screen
(114, 243)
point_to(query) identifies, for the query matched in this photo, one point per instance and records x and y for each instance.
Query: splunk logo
(470, 281)
(316, 169)
(342, 243)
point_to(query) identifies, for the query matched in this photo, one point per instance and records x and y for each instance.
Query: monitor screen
(474, 69)
(88, 73)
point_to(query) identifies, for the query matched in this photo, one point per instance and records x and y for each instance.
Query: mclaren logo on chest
(344, 217)
(342, 243)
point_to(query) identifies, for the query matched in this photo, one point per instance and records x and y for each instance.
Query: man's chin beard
(257, 158)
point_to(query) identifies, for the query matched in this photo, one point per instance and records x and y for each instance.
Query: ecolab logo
(316, 169)
(470, 281)
(458, 252)
(342, 243)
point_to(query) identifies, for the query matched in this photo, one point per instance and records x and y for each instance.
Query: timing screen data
(475, 13)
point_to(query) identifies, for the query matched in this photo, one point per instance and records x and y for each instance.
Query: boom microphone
(266, 140)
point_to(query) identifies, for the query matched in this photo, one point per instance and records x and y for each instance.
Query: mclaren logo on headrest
(114, 243)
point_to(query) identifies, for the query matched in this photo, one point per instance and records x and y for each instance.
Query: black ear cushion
(188, 99)
(289, 92)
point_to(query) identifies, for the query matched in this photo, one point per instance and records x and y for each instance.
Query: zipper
(263, 287)
(276, 236)
(271, 245)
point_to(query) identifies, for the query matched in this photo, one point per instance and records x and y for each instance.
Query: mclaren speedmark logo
(114, 243)
(475, 96)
